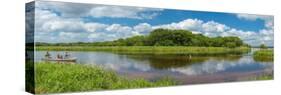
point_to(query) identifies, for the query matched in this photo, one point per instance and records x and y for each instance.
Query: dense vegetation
(151, 49)
(263, 46)
(264, 55)
(29, 76)
(55, 78)
(164, 37)
(264, 77)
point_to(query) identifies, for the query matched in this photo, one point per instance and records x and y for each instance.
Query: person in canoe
(48, 55)
(66, 55)
(59, 56)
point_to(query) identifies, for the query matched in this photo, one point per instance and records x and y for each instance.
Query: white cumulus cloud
(269, 20)
(51, 26)
(98, 11)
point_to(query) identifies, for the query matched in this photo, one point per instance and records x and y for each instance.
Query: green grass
(264, 55)
(264, 77)
(151, 49)
(29, 76)
(55, 78)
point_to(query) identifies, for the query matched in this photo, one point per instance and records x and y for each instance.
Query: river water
(184, 69)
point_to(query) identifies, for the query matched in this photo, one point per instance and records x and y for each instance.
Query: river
(184, 69)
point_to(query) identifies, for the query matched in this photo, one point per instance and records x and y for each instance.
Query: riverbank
(264, 55)
(150, 49)
(55, 78)
(264, 77)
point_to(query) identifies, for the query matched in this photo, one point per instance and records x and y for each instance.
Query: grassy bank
(264, 77)
(264, 55)
(54, 78)
(150, 49)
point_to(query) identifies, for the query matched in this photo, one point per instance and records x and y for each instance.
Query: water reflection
(153, 66)
(244, 64)
(176, 61)
(263, 59)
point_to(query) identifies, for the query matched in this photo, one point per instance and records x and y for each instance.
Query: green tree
(173, 37)
(263, 46)
(164, 37)
(230, 44)
(165, 43)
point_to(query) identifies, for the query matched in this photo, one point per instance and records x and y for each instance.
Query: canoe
(61, 60)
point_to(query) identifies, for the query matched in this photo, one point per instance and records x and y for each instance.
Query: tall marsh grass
(151, 49)
(264, 55)
(55, 78)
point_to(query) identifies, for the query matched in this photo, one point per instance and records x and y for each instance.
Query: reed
(264, 55)
(55, 78)
(151, 49)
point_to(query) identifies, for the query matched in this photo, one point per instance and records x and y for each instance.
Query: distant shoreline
(150, 49)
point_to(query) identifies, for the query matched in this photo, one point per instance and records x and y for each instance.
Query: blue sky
(70, 22)
(168, 16)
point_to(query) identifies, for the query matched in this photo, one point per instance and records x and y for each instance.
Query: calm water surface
(185, 69)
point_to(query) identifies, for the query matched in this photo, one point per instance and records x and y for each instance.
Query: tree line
(164, 37)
